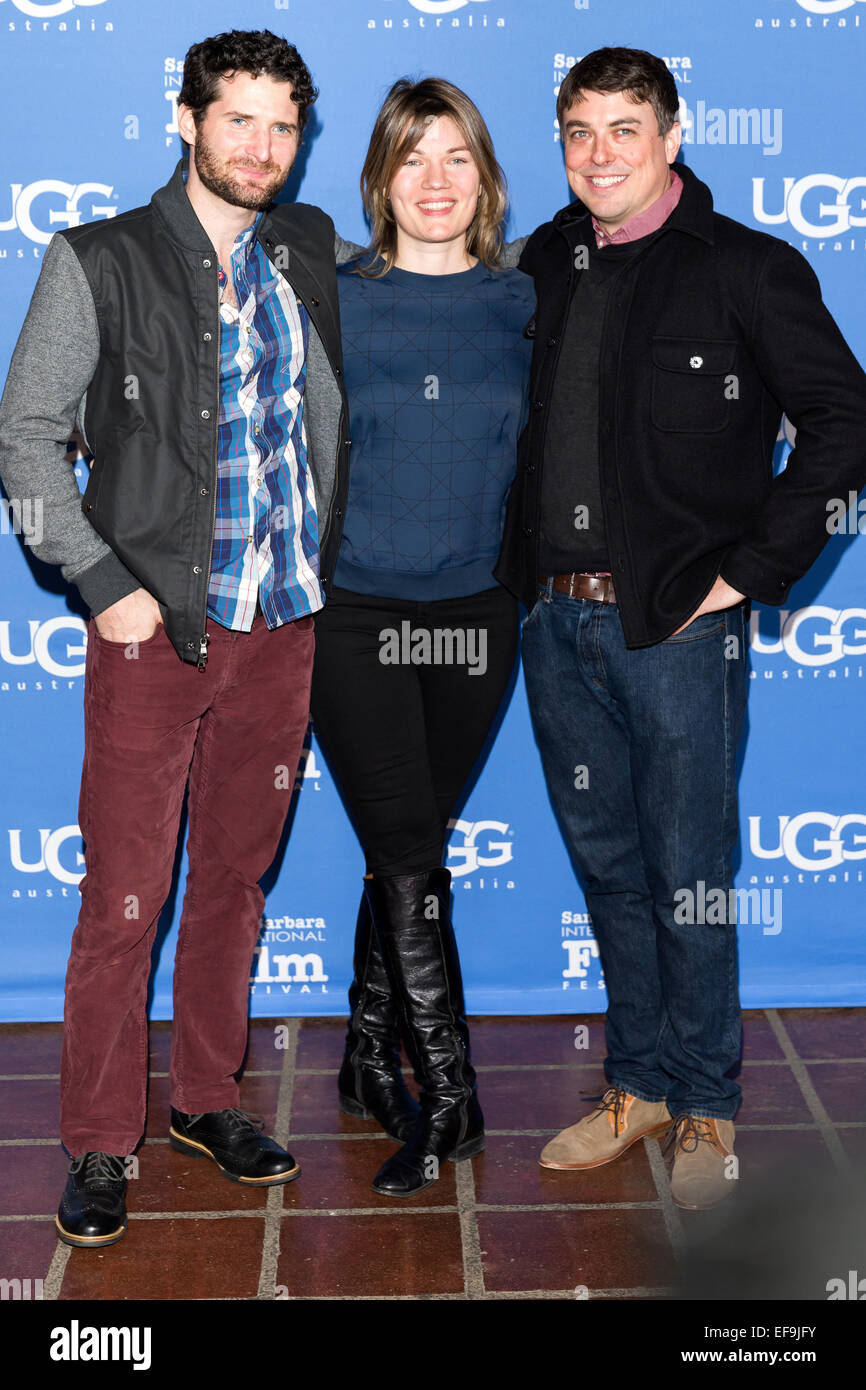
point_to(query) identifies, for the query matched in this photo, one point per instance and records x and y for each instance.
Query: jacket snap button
(206, 264)
(205, 415)
(205, 337)
(196, 569)
(696, 362)
(315, 301)
(527, 531)
(204, 492)
(530, 468)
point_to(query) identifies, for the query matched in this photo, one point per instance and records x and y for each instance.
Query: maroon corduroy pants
(235, 732)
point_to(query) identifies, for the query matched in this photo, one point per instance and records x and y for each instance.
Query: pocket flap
(699, 356)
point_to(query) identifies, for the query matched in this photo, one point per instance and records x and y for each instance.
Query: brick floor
(498, 1227)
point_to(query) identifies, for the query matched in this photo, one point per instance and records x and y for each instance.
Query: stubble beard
(217, 178)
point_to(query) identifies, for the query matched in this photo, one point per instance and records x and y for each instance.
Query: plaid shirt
(266, 536)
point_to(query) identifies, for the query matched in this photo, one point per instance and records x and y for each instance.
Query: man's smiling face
(617, 162)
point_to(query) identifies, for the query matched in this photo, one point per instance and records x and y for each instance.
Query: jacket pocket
(691, 390)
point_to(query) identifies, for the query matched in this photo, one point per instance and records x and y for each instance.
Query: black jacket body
(718, 330)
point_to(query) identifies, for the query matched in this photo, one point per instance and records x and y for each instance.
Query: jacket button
(88, 506)
(551, 342)
(204, 492)
(538, 405)
(783, 583)
(196, 569)
(337, 372)
(527, 531)
(315, 301)
(530, 468)
(346, 443)
(205, 337)
(191, 646)
(337, 513)
(206, 264)
(205, 415)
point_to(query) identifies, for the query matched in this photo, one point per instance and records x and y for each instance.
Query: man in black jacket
(195, 327)
(644, 517)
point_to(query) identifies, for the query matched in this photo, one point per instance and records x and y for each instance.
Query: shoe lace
(242, 1120)
(613, 1103)
(687, 1132)
(101, 1169)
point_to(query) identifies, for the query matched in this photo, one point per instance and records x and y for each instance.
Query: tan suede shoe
(704, 1167)
(619, 1121)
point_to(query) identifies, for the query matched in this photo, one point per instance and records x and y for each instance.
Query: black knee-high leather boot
(412, 918)
(370, 1080)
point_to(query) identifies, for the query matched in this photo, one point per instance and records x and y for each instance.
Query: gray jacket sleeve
(346, 250)
(52, 365)
(511, 252)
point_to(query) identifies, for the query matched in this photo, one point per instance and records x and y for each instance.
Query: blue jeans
(639, 751)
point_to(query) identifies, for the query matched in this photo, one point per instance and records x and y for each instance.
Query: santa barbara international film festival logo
(57, 16)
(437, 14)
(813, 14)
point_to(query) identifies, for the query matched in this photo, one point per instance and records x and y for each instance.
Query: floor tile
(826, 1032)
(561, 1040)
(547, 1100)
(29, 1109)
(177, 1259)
(759, 1041)
(508, 1173)
(370, 1256)
(560, 1250)
(337, 1173)
(771, 1096)
(30, 1047)
(32, 1177)
(173, 1182)
(841, 1087)
(27, 1249)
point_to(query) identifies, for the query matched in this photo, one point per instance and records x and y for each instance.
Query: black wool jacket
(717, 331)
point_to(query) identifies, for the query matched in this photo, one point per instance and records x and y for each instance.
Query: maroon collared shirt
(643, 223)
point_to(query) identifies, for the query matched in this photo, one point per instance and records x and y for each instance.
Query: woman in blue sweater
(417, 642)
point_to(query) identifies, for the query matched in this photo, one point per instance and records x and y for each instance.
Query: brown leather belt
(593, 586)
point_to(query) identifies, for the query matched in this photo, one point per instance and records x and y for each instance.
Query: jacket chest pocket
(692, 384)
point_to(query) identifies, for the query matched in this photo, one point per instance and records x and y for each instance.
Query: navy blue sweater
(436, 369)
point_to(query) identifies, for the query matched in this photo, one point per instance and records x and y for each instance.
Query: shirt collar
(643, 223)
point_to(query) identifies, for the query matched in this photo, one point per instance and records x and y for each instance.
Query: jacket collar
(173, 206)
(693, 213)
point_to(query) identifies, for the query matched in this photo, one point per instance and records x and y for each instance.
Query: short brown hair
(255, 51)
(640, 75)
(405, 115)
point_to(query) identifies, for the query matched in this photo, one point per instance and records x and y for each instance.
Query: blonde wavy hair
(401, 123)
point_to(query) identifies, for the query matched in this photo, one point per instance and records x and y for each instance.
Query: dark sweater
(436, 370)
(573, 535)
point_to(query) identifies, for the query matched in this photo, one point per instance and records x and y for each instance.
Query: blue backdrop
(772, 107)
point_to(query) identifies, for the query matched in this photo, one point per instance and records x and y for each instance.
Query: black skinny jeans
(403, 737)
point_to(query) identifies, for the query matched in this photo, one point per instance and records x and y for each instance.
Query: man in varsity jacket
(203, 330)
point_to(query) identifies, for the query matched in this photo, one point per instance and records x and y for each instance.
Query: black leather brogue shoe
(235, 1143)
(92, 1211)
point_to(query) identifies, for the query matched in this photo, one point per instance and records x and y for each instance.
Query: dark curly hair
(257, 52)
